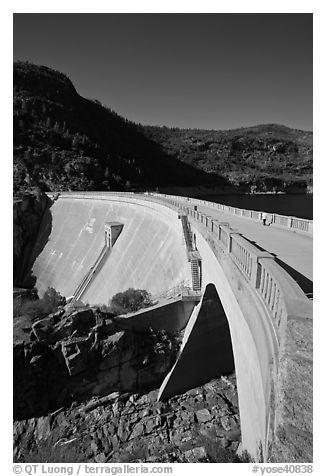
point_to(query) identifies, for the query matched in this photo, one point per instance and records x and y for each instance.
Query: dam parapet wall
(299, 225)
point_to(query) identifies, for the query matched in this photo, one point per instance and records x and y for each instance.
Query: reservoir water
(300, 206)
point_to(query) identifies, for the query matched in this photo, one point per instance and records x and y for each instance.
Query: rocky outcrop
(201, 425)
(75, 354)
(28, 211)
(39, 379)
(86, 388)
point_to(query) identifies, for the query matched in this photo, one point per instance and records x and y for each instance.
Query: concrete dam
(240, 308)
(149, 254)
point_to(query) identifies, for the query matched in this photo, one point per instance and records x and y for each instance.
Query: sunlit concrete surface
(294, 249)
(149, 253)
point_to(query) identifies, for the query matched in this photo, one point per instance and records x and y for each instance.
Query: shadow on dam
(206, 352)
(35, 249)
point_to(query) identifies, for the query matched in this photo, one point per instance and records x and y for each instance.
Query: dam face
(149, 253)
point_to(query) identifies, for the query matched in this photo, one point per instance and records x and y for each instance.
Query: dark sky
(215, 71)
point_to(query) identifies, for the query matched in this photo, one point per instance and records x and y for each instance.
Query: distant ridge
(267, 157)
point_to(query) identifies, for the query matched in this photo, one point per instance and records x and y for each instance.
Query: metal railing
(90, 275)
(175, 291)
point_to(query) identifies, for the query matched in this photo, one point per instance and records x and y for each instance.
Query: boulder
(100, 458)
(196, 455)
(94, 446)
(150, 425)
(137, 431)
(43, 428)
(203, 415)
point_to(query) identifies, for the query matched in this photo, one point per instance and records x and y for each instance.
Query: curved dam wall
(263, 305)
(149, 253)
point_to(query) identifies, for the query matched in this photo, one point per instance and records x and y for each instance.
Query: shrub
(53, 299)
(130, 301)
(37, 308)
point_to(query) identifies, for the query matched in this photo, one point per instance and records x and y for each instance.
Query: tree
(130, 301)
(39, 308)
(53, 299)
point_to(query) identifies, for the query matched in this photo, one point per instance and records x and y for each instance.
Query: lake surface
(300, 206)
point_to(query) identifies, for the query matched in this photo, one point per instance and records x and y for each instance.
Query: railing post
(220, 224)
(230, 238)
(214, 224)
(256, 268)
(255, 273)
(220, 232)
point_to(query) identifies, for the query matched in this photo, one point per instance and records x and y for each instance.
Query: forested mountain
(63, 141)
(265, 156)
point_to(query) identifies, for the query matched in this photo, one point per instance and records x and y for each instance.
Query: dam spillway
(149, 254)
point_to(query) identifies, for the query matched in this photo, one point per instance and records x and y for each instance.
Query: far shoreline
(202, 192)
